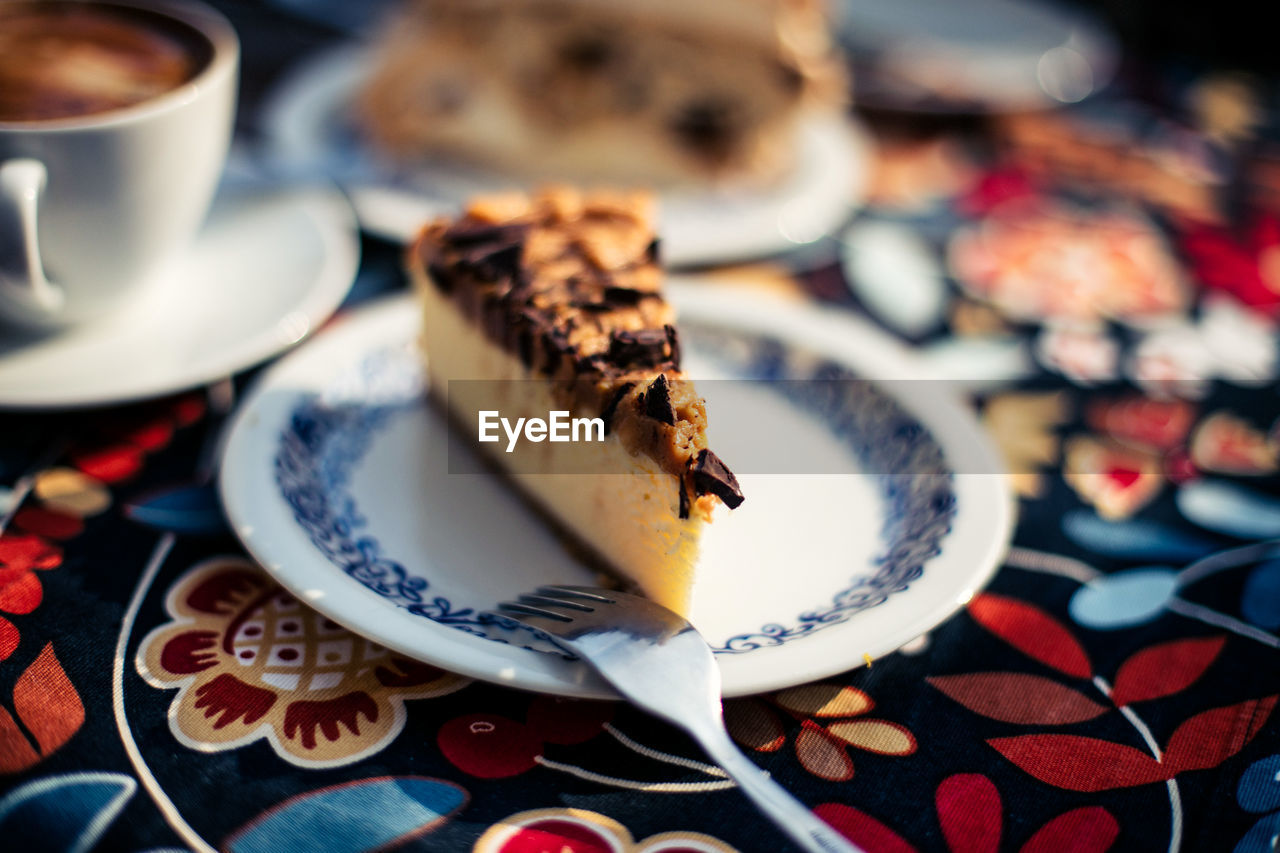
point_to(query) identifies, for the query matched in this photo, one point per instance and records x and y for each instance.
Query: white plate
(974, 54)
(269, 266)
(336, 475)
(306, 123)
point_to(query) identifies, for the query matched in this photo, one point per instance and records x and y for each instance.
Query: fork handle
(792, 816)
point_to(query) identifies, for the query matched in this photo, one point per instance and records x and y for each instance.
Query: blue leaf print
(188, 509)
(1133, 539)
(67, 813)
(367, 815)
(1231, 509)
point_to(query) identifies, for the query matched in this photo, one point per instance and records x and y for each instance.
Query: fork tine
(518, 611)
(538, 599)
(585, 593)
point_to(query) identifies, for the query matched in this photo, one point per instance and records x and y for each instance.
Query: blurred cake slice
(662, 92)
(553, 302)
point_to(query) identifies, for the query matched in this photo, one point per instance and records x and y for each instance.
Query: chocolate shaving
(640, 348)
(555, 345)
(625, 296)
(525, 324)
(711, 476)
(466, 233)
(653, 250)
(441, 276)
(593, 307)
(673, 342)
(657, 402)
(493, 264)
(494, 315)
(611, 407)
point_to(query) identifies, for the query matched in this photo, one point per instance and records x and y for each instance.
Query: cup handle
(22, 277)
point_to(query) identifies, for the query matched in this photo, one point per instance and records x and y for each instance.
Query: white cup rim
(204, 19)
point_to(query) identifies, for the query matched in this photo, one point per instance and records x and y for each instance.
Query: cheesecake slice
(553, 303)
(655, 92)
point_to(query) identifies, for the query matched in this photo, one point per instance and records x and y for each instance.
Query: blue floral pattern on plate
(328, 434)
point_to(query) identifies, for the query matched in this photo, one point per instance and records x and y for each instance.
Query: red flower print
(1245, 264)
(9, 638)
(229, 699)
(1141, 421)
(329, 716)
(582, 831)
(1031, 631)
(48, 705)
(21, 555)
(1039, 261)
(996, 188)
(1085, 763)
(971, 815)
(492, 746)
(489, 746)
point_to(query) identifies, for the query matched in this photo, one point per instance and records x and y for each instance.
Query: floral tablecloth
(1102, 281)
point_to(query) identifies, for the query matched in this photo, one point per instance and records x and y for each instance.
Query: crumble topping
(570, 284)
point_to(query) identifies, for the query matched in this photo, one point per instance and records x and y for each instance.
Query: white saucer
(337, 476)
(269, 266)
(992, 55)
(308, 129)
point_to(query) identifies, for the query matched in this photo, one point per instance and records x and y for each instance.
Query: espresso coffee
(62, 60)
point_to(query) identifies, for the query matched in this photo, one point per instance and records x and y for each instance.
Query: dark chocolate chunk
(684, 500)
(524, 326)
(518, 292)
(711, 476)
(707, 127)
(657, 402)
(641, 348)
(611, 407)
(494, 315)
(555, 345)
(588, 52)
(441, 275)
(467, 233)
(489, 263)
(791, 77)
(673, 341)
(653, 250)
(625, 296)
(594, 307)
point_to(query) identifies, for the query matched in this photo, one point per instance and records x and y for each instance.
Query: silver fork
(658, 661)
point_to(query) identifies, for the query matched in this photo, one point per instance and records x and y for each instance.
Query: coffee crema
(64, 60)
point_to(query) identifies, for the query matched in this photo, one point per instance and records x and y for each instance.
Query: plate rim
(331, 215)
(545, 673)
(290, 108)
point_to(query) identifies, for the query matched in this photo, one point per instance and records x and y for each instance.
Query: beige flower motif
(1228, 444)
(573, 829)
(251, 662)
(1117, 480)
(1045, 261)
(1024, 427)
(831, 723)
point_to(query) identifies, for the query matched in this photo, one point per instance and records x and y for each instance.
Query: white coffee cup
(93, 206)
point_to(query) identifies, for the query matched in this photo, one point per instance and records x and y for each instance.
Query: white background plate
(307, 126)
(796, 542)
(269, 266)
(997, 55)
